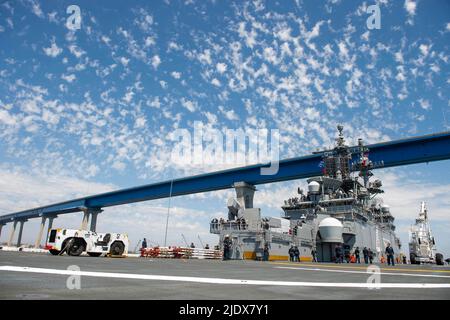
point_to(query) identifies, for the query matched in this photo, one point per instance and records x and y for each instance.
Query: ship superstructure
(341, 207)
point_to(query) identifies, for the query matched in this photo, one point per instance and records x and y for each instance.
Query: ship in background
(341, 207)
(422, 246)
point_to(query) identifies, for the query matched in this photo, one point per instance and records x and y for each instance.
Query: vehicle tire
(76, 248)
(439, 259)
(412, 258)
(94, 254)
(54, 252)
(117, 249)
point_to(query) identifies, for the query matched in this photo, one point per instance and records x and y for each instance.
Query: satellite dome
(313, 186)
(331, 230)
(330, 222)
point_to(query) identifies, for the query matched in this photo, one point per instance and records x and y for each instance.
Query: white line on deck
(364, 272)
(224, 281)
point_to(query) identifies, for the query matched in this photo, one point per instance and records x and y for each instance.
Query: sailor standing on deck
(291, 253)
(227, 247)
(366, 255)
(144, 244)
(358, 260)
(390, 254)
(338, 252)
(266, 252)
(296, 254)
(370, 256)
(313, 254)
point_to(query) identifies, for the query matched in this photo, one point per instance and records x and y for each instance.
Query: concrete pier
(90, 214)
(19, 238)
(94, 215)
(41, 230)
(84, 222)
(13, 231)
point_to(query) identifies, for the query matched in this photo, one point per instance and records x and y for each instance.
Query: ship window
(52, 236)
(280, 241)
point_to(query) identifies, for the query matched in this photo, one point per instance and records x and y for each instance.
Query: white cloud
(284, 34)
(176, 74)
(124, 61)
(343, 51)
(128, 96)
(399, 57)
(315, 32)
(410, 6)
(173, 46)
(250, 37)
(424, 104)
(106, 39)
(16, 185)
(188, 104)
(6, 118)
(92, 171)
(118, 165)
(270, 55)
(229, 114)
(424, 49)
(163, 84)
(156, 61)
(36, 9)
(205, 57)
(50, 117)
(149, 41)
(76, 51)
(221, 67)
(140, 122)
(52, 17)
(155, 103)
(69, 78)
(53, 51)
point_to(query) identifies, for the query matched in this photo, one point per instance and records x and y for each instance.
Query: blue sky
(94, 109)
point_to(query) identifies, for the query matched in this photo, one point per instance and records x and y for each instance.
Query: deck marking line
(225, 281)
(364, 272)
(349, 266)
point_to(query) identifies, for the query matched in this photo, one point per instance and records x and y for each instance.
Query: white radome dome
(330, 222)
(313, 186)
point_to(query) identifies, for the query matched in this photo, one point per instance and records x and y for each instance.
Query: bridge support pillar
(1, 227)
(19, 238)
(41, 230)
(94, 215)
(85, 220)
(11, 235)
(90, 214)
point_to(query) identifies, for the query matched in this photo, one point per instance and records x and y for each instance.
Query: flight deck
(42, 276)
